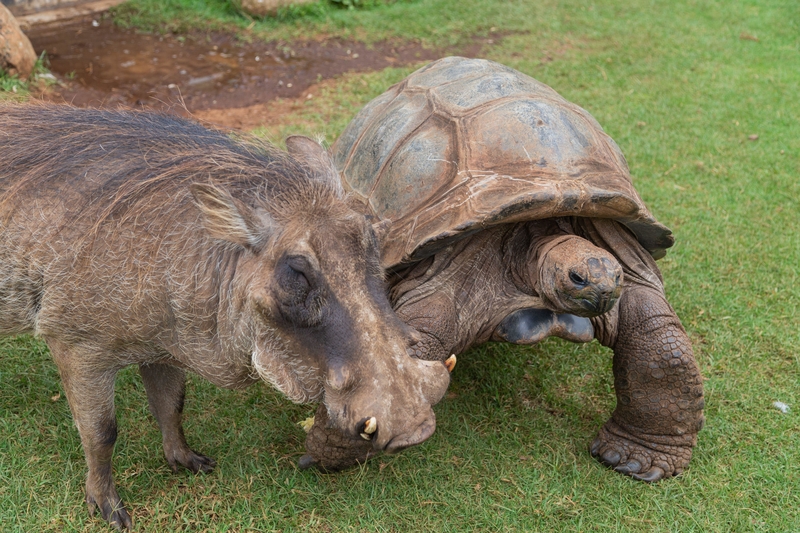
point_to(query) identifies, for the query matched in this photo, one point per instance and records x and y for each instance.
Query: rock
(264, 8)
(16, 52)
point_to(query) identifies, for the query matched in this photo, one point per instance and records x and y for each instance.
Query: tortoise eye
(576, 278)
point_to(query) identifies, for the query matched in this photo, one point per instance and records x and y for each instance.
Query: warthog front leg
(90, 393)
(659, 391)
(165, 386)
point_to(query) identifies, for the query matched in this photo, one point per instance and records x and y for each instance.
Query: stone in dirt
(16, 52)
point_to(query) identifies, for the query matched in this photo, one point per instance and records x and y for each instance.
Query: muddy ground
(213, 76)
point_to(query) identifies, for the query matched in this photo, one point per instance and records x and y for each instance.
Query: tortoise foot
(327, 456)
(643, 457)
(329, 450)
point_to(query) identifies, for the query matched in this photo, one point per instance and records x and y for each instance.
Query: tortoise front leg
(659, 391)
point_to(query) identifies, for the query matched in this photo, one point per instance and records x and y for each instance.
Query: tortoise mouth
(599, 305)
(586, 305)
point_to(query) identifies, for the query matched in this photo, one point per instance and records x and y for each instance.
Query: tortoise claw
(610, 458)
(595, 447)
(652, 475)
(306, 462)
(630, 468)
(640, 462)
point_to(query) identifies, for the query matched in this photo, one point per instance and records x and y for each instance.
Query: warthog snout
(391, 413)
(401, 417)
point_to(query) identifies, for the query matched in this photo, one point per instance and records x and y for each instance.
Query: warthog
(132, 238)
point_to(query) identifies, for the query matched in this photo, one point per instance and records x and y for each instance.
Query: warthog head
(323, 326)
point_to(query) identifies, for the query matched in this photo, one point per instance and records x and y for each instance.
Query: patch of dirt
(208, 75)
(250, 117)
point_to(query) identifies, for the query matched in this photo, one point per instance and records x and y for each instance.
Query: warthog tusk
(450, 362)
(370, 427)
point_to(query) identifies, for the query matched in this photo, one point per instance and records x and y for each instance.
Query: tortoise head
(577, 277)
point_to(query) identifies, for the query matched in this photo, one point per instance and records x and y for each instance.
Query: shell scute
(447, 70)
(351, 134)
(464, 97)
(527, 137)
(380, 138)
(427, 161)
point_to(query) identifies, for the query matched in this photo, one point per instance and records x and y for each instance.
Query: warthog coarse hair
(94, 159)
(130, 172)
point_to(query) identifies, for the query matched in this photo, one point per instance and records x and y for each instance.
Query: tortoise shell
(465, 144)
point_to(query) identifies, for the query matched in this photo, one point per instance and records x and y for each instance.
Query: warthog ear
(229, 219)
(314, 157)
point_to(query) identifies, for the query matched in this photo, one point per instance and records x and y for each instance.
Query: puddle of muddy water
(101, 64)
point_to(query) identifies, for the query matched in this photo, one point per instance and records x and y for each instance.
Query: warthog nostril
(369, 428)
(450, 362)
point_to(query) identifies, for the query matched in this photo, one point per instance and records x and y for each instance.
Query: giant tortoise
(510, 215)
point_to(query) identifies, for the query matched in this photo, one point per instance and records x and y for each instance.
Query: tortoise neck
(524, 249)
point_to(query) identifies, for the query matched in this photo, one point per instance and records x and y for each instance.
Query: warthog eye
(297, 280)
(296, 294)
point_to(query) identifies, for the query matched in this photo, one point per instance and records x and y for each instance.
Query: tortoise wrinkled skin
(514, 217)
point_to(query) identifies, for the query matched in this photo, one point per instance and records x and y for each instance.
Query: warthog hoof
(192, 461)
(111, 509)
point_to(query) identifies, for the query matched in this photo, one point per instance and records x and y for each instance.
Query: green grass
(681, 91)
(13, 88)
(434, 22)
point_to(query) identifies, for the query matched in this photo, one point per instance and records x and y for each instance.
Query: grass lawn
(683, 86)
